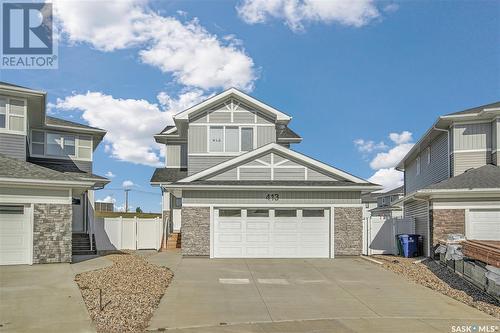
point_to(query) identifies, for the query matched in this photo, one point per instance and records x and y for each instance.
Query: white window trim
(428, 152)
(71, 157)
(224, 152)
(418, 164)
(8, 115)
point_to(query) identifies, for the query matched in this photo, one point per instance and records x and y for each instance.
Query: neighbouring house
(46, 180)
(369, 201)
(101, 206)
(452, 177)
(234, 189)
(386, 206)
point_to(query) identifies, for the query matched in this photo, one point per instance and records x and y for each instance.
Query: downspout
(448, 142)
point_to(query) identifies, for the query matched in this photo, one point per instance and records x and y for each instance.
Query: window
(3, 112)
(178, 203)
(12, 114)
(428, 150)
(61, 145)
(216, 141)
(285, 213)
(231, 139)
(228, 139)
(257, 213)
(313, 213)
(11, 209)
(246, 139)
(418, 165)
(229, 213)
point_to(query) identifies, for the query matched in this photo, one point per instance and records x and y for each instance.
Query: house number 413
(272, 196)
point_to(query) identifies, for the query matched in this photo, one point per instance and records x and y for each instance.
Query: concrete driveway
(271, 295)
(44, 298)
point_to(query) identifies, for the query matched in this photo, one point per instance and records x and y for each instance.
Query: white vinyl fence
(379, 234)
(128, 233)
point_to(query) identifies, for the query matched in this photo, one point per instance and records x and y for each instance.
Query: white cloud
(130, 123)
(194, 57)
(108, 199)
(368, 146)
(296, 13)
(391, 158)
(401, 138)
(389, 178)
(127, 183)
(384, 162)
(110, 174)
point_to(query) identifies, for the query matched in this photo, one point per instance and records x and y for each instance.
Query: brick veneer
(52, 233)
(195, 231)
(446, 221)
(348, 225)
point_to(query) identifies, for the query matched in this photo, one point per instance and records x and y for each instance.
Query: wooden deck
(485, 251)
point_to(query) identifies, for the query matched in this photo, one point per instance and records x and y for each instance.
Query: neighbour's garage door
(484, 224)
(15, 235)
(271, 233)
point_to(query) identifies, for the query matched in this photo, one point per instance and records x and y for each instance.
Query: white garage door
(484, 224)
(15, 235)
(271, 233)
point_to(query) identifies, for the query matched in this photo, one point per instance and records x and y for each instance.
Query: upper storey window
(12, 115)
(58, 145)
(230, 139)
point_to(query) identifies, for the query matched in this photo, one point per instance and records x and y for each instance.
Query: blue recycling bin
(409, 243)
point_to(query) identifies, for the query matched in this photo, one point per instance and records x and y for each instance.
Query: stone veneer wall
(446, 221)
(52, 233)
(195, 231)
(348, 225)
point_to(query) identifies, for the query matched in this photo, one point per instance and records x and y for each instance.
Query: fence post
(121, 232)
(136, 231)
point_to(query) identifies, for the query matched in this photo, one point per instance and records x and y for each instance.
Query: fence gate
(130, 233)
(381, 233)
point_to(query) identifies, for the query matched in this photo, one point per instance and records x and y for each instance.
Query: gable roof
(475, 110)
(168, 175)
(58, 122)
(233, 92)
(284, 133)
(273, 147)
(15, 87)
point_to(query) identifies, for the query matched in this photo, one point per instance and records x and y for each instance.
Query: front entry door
(79, 213)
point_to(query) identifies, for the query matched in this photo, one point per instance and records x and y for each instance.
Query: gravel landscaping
(433, 275)
(123, 297)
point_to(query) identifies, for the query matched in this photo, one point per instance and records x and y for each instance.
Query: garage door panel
(15, 236)
(484, 225)
(266, 236)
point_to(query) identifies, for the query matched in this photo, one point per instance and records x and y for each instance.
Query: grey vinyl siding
(267, 158)
(227, 175)
(259, 197)
(471, 136)
(265, 135)
(315, 175)
(197, 139)
(290, 163)
(264, 119)
(255, 174)
(244, 117)
(219, 117)
(466, 160)
(13, 145)
(176, 155)
(199, 118)
(289, 174)
(431, 173)
(199, 163)
(420, 211)
(39, 192)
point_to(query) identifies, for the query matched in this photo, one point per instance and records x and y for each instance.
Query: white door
(271, 233)
(484, 224)
(15, 235)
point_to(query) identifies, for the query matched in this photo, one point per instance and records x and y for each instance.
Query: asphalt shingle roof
(168, 175)
(487, 176)
(475, 109)
(61, 122)
(67, 167)
(14, 168)
(287, 133)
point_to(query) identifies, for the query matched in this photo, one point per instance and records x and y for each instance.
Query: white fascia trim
(264, 187)
(92, 130)
(468, 190)
(58, 183)
(184, 115)
(281, 149)
(24, 90)
(270, 205)
(169, 131)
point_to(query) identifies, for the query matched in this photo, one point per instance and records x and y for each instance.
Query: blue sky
(350, 75)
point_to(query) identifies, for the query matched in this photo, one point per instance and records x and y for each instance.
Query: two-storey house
(233, 187)
(452, 177)
(46, 180)
(386, 203)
